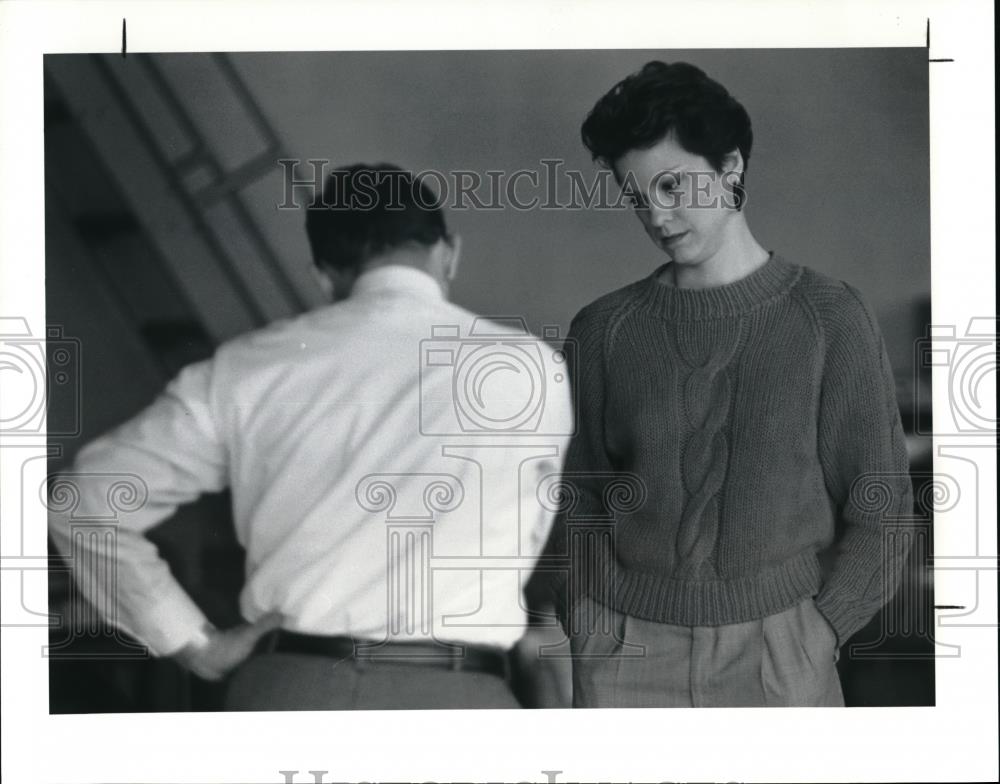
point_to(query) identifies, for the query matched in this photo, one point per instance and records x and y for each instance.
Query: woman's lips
(672, 239)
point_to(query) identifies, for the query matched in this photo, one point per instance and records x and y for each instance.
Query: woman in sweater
(747, 402)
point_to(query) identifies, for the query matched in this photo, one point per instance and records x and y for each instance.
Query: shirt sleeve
(133, 478)
(863, 454)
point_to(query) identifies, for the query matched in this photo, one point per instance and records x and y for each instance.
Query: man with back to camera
(753, 398)
(348, 472)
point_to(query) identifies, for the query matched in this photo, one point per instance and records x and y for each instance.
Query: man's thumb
(266, 623)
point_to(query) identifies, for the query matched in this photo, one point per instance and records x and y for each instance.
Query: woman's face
(684, 205)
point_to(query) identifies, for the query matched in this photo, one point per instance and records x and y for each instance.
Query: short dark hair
(368, 209)
(663, 99)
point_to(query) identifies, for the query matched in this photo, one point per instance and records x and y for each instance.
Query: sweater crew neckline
(767, 282)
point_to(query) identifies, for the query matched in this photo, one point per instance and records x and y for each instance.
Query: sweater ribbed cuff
(841, 618)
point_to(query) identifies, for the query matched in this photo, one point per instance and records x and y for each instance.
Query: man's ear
(454, 244)
(324, 281)
(335, 282)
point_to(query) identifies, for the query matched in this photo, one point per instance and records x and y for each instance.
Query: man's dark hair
(665, 99)
(368, 209)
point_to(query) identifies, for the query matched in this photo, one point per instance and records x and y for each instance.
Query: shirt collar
(396, 277)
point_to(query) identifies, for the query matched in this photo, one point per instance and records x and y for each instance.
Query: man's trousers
(295, 681)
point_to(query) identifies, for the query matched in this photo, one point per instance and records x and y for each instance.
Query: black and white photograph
(486, 384)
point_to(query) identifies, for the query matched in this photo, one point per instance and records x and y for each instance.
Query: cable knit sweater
(723, 433)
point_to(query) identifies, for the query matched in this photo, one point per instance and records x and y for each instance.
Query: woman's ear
(733, 168)
(732, 163)
(454, 243)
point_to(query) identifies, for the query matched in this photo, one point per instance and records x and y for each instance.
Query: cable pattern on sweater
(706, 395)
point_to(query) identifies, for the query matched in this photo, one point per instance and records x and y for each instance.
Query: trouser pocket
(596, 633)
(798, 666)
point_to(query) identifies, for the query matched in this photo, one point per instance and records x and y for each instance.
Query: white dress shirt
(370, 502)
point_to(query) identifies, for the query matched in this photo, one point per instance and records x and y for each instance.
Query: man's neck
(417, 259)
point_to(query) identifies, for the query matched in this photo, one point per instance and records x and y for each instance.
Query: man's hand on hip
(223, 651)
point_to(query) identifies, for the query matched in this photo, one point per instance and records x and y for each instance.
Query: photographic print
(484, 385)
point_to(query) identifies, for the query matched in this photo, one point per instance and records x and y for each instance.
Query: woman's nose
(661, 216)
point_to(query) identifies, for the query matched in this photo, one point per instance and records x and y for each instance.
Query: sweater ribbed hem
(713, 602)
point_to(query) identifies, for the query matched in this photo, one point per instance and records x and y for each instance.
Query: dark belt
(470, 658)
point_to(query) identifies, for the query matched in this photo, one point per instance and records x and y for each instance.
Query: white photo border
(954, 741)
